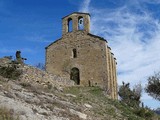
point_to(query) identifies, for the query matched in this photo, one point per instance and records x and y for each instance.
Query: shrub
(144, 113)
(10, 71)
(130, 97)
(153, 86)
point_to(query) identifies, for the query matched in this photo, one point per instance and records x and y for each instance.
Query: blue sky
(30, 25)
(132, 28)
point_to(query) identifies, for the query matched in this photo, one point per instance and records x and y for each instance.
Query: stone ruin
(32, 74)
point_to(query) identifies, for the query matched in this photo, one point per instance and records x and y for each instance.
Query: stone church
(81, 56)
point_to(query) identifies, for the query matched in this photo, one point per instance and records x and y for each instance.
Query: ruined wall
(32, 74)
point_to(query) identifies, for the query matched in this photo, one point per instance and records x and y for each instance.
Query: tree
(153, 86)
(137, 90)
(128, 96)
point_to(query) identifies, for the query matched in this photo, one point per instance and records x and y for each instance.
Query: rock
(87, 105)
(60, 89)
(81, 115)
(71, 95)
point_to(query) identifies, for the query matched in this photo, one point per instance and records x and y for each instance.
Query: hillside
(37, 95)
(157, 111)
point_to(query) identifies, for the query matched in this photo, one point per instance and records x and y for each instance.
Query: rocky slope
(37, 95)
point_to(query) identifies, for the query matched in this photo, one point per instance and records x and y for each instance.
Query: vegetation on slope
(10, 71)
(105, 108)
(153, 86)
(67, 102)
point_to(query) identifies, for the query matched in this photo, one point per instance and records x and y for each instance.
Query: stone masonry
(81, 56)
(32, 74)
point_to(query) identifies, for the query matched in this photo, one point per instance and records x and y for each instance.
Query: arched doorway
(74, 75)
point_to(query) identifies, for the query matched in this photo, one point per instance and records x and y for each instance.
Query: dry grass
(6, 114)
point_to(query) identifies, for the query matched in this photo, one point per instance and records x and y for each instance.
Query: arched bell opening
(80, 23)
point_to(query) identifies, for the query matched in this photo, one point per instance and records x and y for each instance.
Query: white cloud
(134, 36)
(85, 6)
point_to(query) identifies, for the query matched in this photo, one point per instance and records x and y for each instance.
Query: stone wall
(74, 17)
(90, 57)
(32, 74)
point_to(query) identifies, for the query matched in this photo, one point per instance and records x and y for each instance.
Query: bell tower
(75, 22)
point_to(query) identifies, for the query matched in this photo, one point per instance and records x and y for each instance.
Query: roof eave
(53, 43)
(76, 13)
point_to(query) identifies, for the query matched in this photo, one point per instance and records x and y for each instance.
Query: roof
(53, 43)
(76, 13)
(101, 38)
(95, 36)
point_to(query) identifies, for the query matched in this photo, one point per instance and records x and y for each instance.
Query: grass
(6, 114)
(103, 107)
(25, 84)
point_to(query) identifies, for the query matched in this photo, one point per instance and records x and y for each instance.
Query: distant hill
(157, 111)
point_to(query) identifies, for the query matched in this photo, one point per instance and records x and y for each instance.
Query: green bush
(140, 112)
(149, 114)
(128, 96)
(153, 86)
(10, 71)
(144, 113)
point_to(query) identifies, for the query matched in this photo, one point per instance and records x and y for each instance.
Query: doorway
(74, 75)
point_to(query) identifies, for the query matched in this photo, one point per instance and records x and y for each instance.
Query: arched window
(75, 75)
(70, 25)
(80, 23)
(74, 53)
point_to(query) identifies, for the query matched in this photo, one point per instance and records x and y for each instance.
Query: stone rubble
(32, 74)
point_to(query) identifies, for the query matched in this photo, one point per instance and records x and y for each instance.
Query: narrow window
(70, 25)
(80, 23)
(89, 82)
(74, 53)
